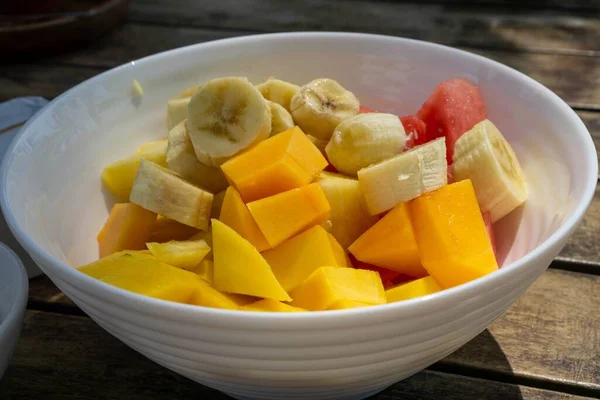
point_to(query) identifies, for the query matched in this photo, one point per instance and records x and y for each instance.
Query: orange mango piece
(272, 306)
(207, 296)
(285, 161)
(294, 260)
(451, 235)
(286, 214)
(328, 285)
(235, 215)
(166, 229)
(391, 244)
(410, 290)
(204, 270)
(128, 227)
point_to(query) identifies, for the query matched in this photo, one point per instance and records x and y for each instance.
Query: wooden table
(547, 346)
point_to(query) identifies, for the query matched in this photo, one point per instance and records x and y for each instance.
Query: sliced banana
(281, 119)
(177, 107)
(225, 116)
(164, 192)
(363, 140)
(404, 177)
(278, 91)
(485, 157)
(320, 106)
(181, 158)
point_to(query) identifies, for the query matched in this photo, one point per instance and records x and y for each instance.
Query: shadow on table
(467, 374)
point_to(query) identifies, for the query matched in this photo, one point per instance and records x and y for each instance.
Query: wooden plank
(67, 357)
(538, 29)
(574, 78)
(571, 5)
(552, 333)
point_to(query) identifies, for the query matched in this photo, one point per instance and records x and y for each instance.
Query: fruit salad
(285, 198)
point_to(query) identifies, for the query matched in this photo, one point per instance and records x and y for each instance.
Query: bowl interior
(53, 174)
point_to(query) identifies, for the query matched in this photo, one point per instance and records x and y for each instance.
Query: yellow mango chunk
(128, 227)
(328, 285)
(235, 215)
(204, 270)
(286, 214)
(338, 252)
(451, 235)
(239, 267)
(391, 244)
(410, 290)
(118, 176)
(349, 215)
(283, 162)
(166, 229)
(345, 304)
(184, 254)
(271, 305)
(208, 296)
(144, 274)
(296, 259)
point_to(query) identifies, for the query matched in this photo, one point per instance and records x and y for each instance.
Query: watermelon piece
(487, 219)
(389, 278)
(454, 107)
(414, 127)
(365, 110)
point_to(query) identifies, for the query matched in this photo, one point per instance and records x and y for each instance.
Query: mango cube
(128, 227)
(328, 285)
(346, 304)
(296, 259)
(144, 274)
(349, 215)
(118, 176)
(451, 235)
(391, 244)
(235, 215)
(207, 296)
(205, 270)
(283, 162)
(271, 305)
(185, 254)
(166, 229)
(417, 288)
(286, 214)
(239, 267)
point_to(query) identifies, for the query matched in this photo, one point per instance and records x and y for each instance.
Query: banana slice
(320, 106)
(281, 119)
(181, 158)
(484, 156)
(225, 116)
(277, 91)
(177, 107)
(365, 139)
(405, 176)
(164, 192)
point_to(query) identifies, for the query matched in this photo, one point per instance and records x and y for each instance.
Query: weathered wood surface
(551, 334)
(450, 23)
(69, 357)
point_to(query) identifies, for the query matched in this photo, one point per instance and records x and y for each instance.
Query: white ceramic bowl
(54, 204)
(13, 299)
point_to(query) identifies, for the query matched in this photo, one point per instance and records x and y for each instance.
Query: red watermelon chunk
(389, 278)
(365, 110)
(454, 107)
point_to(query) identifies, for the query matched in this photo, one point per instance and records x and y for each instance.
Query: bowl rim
(169, 310)
(20, 279)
